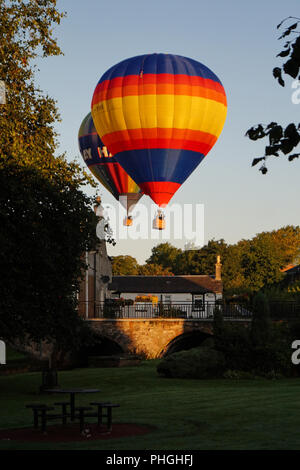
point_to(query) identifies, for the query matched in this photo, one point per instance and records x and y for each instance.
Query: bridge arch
(103, 346)
(185, 341)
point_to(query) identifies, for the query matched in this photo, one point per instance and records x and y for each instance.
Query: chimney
(218, 276)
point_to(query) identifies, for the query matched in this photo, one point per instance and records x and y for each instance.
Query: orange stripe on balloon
(152, 84)
(161, 132)
(163, 89)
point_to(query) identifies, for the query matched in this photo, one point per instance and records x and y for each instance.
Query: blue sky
(238, 41)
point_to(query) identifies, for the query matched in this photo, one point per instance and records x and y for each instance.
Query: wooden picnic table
(72, 392)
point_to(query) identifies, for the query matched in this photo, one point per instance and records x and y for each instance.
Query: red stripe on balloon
(134, 139)
(160, 191)
(201, 147)
(118, 175)
(149, 78)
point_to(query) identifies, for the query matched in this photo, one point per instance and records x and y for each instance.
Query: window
(198, 303)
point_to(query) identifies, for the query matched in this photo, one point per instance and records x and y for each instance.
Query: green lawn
(13, 355)
(187, 414)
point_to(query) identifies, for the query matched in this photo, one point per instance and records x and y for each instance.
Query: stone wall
(149, 337)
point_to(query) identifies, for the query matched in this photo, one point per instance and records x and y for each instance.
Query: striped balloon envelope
(160, 114)
(105, 167)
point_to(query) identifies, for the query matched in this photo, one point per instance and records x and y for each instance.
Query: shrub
(234, 343)
(208, 343)
(261, 321)
(218, 325)
(274, 357)
(110, 311)
(196, 363)
(263, 348)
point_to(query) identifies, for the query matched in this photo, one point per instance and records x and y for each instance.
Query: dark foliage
(247, 266)
(282, 141)
(196, 363)
(261, 350)
(261, 321)
(45, 227)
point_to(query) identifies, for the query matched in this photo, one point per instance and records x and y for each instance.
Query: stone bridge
(153, 337)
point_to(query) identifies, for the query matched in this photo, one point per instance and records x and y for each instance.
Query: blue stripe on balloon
(159, 63)
(159, 164)
(90, 143)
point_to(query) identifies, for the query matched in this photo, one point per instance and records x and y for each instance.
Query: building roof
(165, 284)
(287, 268)
(292, 270)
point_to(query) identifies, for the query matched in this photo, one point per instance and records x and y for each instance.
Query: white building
(194, 294)
(190, 295)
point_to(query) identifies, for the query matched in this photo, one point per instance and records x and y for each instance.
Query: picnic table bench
(99, 410)
(41, 413)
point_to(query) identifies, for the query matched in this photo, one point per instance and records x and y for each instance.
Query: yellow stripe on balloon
(164, 111)
(132, 186)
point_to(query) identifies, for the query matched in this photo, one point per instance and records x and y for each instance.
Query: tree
(260, 264)
(281, 140)
(46, 220)
(247, 266)
(153, 270)
(128, 266)
(124, 266)
(218, 327)
(201, 261)
(261, 322)
(183, 263)
(45, 227)
(165, 255)
(28, 117)
(263, 257)
(285, 242)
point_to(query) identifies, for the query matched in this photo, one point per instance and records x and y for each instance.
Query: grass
(187, 414)
(13, 355)
(18, 361)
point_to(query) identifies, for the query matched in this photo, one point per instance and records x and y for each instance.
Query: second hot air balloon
(106, 169)
(159, 114)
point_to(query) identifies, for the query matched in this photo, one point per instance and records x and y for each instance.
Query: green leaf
(256, 132)
(263, 169)
(288, 30)
(257, 160)
(291, 67)
(284, 53)
(277, 75)
(275, 134)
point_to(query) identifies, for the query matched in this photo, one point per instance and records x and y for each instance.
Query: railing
(186, 310)
(286, 309)
(280, 310)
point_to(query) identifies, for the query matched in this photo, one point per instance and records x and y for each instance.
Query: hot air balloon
(106, 169)
(159, 114)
